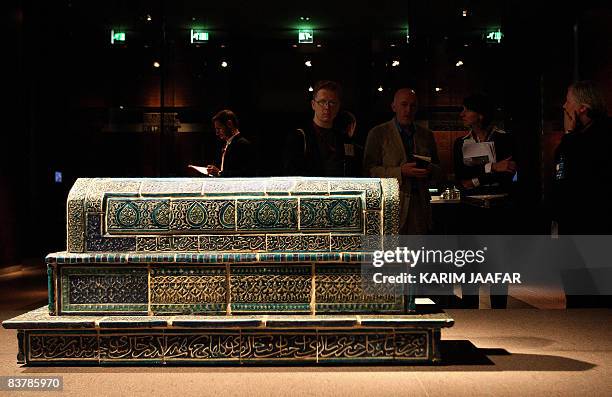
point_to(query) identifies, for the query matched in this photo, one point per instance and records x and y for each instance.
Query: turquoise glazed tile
(137, 215)
(272, 214)
(193, 215)
(331, 214)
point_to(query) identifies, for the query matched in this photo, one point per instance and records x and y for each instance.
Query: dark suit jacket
(239, 159)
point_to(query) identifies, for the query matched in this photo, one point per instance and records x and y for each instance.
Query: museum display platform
(227, 340)
(226, 271)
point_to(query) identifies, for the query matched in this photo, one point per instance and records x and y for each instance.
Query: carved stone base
(168, 340)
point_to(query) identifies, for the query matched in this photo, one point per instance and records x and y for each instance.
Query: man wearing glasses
(318, 148)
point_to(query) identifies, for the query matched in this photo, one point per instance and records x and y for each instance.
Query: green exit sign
(117, 36)
(494, 36)
(305, 36)
(199, 36)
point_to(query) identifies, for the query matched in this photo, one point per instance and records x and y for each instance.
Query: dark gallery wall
(77, 103)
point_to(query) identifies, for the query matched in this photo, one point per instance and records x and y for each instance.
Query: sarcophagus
(218, 246)
(241, 264)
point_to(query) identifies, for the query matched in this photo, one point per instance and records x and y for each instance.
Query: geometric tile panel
(337, 214)
(193, 287)
(270, 288)
(192, 215)
(182, 290)
(272, 214)
(341, 288)
(142, 215)
(114, 289)
(107, 289)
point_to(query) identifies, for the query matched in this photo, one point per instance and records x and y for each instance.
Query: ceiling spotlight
(121, 107)
(380, 88)
(438, 89)
(294, 46)
(224, 64)
(459, 63)
(466, 45)
(310, 89)
(156, 64)
(149, 17)
(308, 63)
(464, 13)
(318, 45)
(395, 63)
(392, 45)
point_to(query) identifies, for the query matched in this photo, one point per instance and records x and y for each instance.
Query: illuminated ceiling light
(466, 45)
(304, 18)
(294, 45)
(224, 64)
(380, 88)
(319, 46)
(459, 63)
(121, 107)
(310, 89)
(464, 13)
(392, 45)
(308, 63)
(149, 17)
(438, 89)
(395, 63)
(156, 64)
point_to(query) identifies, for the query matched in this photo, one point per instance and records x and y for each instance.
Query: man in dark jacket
(237, 155)
(582, 163)
(317, 149)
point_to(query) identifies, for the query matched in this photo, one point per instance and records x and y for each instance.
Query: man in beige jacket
(403, 150)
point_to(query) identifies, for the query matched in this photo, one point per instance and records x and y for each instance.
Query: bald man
(390, 152)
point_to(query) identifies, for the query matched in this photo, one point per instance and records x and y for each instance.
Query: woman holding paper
(483, 161)
(483, 165)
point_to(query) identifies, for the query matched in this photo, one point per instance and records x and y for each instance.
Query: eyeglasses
(323, 103)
